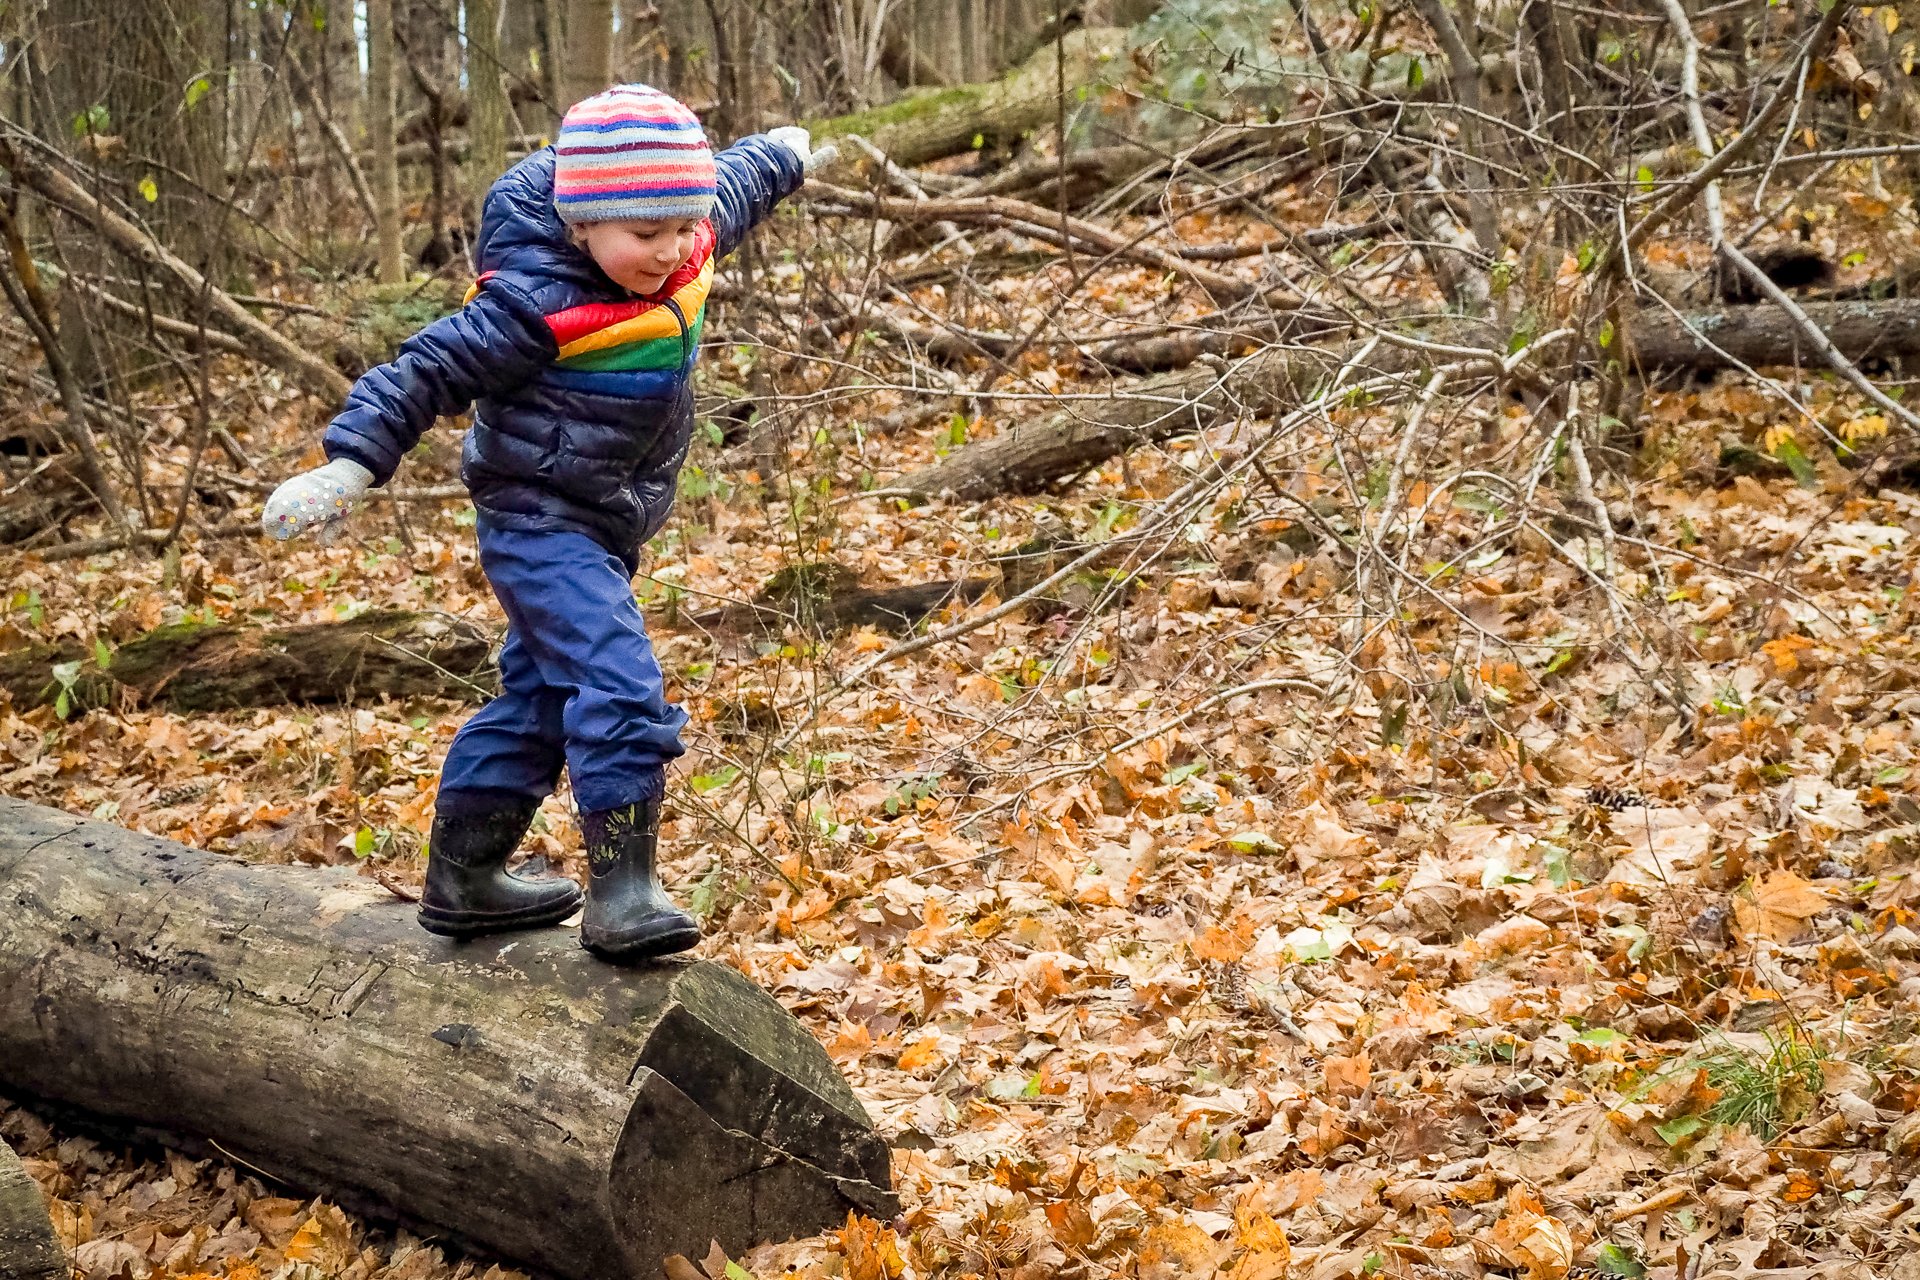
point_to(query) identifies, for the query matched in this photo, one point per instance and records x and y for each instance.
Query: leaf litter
(1467, 951)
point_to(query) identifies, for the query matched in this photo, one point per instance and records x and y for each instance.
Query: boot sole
(647, 946)
(464, 924)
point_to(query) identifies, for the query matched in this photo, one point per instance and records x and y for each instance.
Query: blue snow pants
(579, 683)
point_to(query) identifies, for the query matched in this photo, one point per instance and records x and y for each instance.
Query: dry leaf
(678, 1268)
(1777, 908)
(1530, 1237)
(1348, 1075)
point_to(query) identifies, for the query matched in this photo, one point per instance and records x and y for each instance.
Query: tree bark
(196, 666)
(380, 140)
(589, 64)
(29, 1249)
(487, 92)
(948, 121)
(579, 1118)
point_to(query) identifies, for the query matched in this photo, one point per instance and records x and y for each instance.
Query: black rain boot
(629, 916)
(469, 890)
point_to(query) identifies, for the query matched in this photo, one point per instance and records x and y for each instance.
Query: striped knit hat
(632, 152)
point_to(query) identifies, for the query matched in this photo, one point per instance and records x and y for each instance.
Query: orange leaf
(1784, 652)
(1072, 1224)
(1349, 1075)
(1778, 908)
(924, 1052)
(1801, 1186)
(1219, 944)
(1257, 1230)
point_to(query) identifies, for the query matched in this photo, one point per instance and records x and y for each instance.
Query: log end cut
(740, 1131)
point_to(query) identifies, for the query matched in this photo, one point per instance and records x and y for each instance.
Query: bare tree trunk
(380, 139)
(487, 92)
(589, 61)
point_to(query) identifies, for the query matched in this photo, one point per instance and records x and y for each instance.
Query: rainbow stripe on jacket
(656, 332)
(632, 152)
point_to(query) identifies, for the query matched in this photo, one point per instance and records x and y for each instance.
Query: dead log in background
(200, 666)
(946, 122)
(29, 1249)
(579, 1118)
(1029, 456)
(827, 598)
(1763, 335)
(1032, 455)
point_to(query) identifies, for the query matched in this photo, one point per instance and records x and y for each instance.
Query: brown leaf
(1532, 1238)
(276, 1219)
(1778, 908)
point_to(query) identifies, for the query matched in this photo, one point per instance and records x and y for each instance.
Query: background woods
(1297, 614)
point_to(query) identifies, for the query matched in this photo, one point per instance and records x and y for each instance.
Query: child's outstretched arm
(753, 175)
(494, 343)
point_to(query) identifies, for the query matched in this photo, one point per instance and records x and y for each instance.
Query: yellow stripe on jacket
(658, 322)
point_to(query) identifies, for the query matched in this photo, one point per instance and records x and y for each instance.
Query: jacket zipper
(686, 352)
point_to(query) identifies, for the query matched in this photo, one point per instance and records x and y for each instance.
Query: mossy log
(945, 122)
(29, 1249)
(200, 666)
(580, 1119)
(827, 598)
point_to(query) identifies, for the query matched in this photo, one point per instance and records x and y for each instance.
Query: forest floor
(1561, 920)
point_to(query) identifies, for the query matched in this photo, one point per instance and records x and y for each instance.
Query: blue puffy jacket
(584, 391)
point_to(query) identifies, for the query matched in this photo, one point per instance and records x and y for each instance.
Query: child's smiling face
(638, 254)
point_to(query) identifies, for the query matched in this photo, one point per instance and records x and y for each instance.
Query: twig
(1719, 162)
(907, 184)
(156, 537)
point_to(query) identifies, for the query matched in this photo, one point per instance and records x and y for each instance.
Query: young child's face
(638, 255)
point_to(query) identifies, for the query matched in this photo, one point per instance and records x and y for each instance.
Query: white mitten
(318, 499)
(800, 142)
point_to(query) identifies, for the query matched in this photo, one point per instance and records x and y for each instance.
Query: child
(576, 347)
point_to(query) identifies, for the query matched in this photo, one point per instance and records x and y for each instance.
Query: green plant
(1760, 1091)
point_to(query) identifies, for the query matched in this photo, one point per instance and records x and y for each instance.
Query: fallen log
(29, 1249)
(201, 666)
(577, 1118)
(946, 122)
(1763, 334)
(834, 603)
(1031, 455)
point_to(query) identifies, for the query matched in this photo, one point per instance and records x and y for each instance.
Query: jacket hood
(521, 233)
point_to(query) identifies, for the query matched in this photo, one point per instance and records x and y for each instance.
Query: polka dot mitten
(318, 499)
